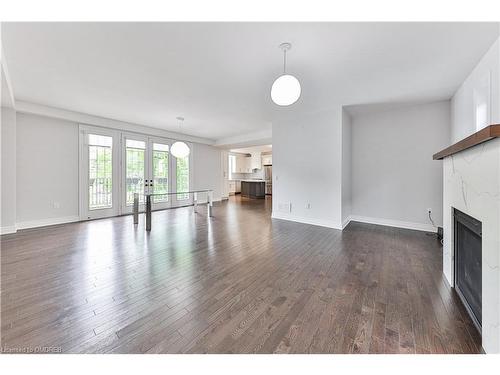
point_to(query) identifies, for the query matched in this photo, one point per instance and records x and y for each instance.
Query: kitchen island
(253, 189)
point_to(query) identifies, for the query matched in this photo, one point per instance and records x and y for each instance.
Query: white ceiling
(218, 75)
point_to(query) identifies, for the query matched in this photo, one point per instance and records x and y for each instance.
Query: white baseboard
(8, 230)
(306, 220)
(346, 222)
(47, 222)
(394, 223)
(55, 221)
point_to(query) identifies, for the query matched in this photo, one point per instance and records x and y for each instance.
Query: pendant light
(286, 88)
(180, 149)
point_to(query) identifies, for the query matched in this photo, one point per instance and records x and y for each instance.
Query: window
(182, 177)
(134, 180)
(160, 172)
(100, 182)
(231, 165)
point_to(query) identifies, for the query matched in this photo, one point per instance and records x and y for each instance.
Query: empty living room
(249, 188)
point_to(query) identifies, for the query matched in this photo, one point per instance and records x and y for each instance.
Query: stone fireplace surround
(471, 184)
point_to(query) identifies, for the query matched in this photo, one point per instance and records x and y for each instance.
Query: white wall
(463, 121)
(207, 169)
(346, 167)
(307, 162)
(394, 179)
(8, 171)
(47, 170)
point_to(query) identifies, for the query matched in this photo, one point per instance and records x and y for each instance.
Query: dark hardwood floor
(238, 283)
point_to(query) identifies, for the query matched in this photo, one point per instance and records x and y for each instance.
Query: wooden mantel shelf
(483, 135)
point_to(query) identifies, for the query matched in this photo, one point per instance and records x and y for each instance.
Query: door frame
(127, 209)
(168, 142)
(84, 212)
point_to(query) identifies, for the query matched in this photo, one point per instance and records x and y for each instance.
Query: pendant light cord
(180, 120)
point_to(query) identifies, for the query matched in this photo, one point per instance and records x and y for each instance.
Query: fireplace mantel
(483, 135)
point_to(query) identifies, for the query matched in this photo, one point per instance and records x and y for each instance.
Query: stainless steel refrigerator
(268, 176)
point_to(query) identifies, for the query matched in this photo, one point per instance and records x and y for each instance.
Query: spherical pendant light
(286, 88)
(180, 149)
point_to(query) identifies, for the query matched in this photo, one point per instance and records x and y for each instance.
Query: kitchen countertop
(253, 180)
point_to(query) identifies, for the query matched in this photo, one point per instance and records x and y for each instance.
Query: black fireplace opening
(468, 264)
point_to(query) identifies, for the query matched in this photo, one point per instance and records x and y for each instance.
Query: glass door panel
(100, 168)
(99, 173)
(182, 177)
(135, 171)
(183, 181)
(160, 172)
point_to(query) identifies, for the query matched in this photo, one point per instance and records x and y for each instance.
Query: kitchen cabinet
(234, 187)
(253, 189)
(267, 159)
(248, 165)
(242, 165)
(256, 161)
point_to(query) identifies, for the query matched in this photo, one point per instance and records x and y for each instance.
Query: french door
(99, 173)
(146, 169)
(116, 165)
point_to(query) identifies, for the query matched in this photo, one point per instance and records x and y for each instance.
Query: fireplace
(468, 264)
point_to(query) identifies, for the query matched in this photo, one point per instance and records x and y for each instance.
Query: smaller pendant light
(286, 88)
(180, 149)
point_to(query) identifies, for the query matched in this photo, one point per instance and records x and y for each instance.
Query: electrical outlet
(429, 210)
(308, 206)
(56, 205)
